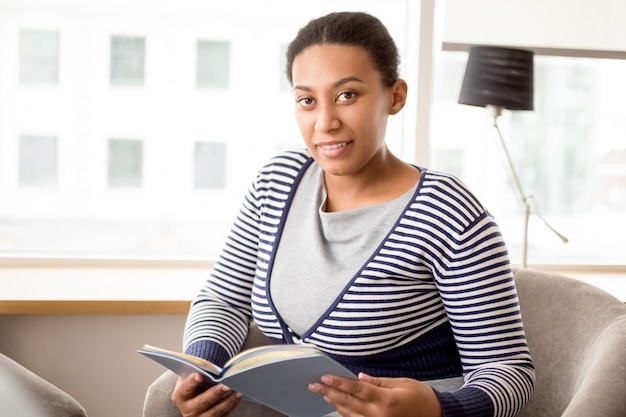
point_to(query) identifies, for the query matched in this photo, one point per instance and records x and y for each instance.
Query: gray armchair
(577, 337)
(23, 393)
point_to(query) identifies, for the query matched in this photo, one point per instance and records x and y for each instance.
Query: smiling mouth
(333, 146)
(333, 149)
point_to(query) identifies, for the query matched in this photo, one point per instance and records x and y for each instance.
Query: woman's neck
(378, 184)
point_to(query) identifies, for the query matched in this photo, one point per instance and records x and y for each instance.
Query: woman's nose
(326, 119)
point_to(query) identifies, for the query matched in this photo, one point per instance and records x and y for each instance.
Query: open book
(275, 375)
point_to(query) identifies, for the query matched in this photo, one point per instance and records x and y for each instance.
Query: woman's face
(342, 107)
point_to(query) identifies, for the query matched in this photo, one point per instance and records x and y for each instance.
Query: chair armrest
(33, 394)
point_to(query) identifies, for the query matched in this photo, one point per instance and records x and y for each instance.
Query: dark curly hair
(349, 28)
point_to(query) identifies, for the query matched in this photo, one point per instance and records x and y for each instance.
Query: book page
(201, 363)
(268, 354)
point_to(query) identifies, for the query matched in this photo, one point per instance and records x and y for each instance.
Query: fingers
(346, 395)
(371, 379)
(189, 387)
(334, 383)
(186, 388)
(378, 396)
(385, 382)
(216, 401)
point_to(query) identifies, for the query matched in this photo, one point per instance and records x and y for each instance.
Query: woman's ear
(398, 96)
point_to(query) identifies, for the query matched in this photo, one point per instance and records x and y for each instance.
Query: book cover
(275, 375)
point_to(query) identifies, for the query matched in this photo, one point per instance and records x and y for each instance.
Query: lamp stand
(495, 112)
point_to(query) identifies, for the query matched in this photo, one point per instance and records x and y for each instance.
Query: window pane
(39, 56)
(569, 154)
(125, 163)
(210, 165)
(127, 60)
(213, 64)
(38, 161)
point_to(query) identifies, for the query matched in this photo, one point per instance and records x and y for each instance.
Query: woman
(395, 271)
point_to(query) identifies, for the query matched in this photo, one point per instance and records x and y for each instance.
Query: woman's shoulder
(450, 190)
(434, 178)
(442, 178)
(286, 163)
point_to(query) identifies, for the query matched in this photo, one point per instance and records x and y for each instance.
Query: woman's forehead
(324, 62)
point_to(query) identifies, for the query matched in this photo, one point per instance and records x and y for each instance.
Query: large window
(569, 152)
(160, 170)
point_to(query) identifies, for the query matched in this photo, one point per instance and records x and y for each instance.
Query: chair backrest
(577, 337)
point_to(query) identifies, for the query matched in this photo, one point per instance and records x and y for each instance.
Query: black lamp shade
(498, 76)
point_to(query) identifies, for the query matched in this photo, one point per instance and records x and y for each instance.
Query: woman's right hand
(217, 401)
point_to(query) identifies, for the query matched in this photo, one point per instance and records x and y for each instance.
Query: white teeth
(335, 146)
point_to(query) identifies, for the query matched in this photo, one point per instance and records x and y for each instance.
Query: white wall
(581, 24)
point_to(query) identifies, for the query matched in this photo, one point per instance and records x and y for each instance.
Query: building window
(128, 58)
(125, 163)
(213, 64)
(209, 165)
(39, 56)
(38, 161)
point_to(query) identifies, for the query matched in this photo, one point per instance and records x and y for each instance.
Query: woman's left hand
(370, 396)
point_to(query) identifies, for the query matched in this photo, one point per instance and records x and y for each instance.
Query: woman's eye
(346, 96)
(305, 101)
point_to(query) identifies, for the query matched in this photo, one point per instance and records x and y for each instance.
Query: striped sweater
(435, 300)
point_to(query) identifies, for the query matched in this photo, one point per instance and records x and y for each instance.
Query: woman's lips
(333, 149)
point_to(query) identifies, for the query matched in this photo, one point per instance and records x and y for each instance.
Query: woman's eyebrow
(347, 80)
(336, 84)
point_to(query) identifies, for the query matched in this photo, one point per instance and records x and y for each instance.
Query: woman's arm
(471, 268)
(220, 315)
(478, 292)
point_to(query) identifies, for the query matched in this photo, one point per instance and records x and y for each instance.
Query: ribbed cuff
(208, 350)
(466, 402)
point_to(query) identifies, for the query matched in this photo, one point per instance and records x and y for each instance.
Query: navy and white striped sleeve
(220, 315)
(476, 285)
